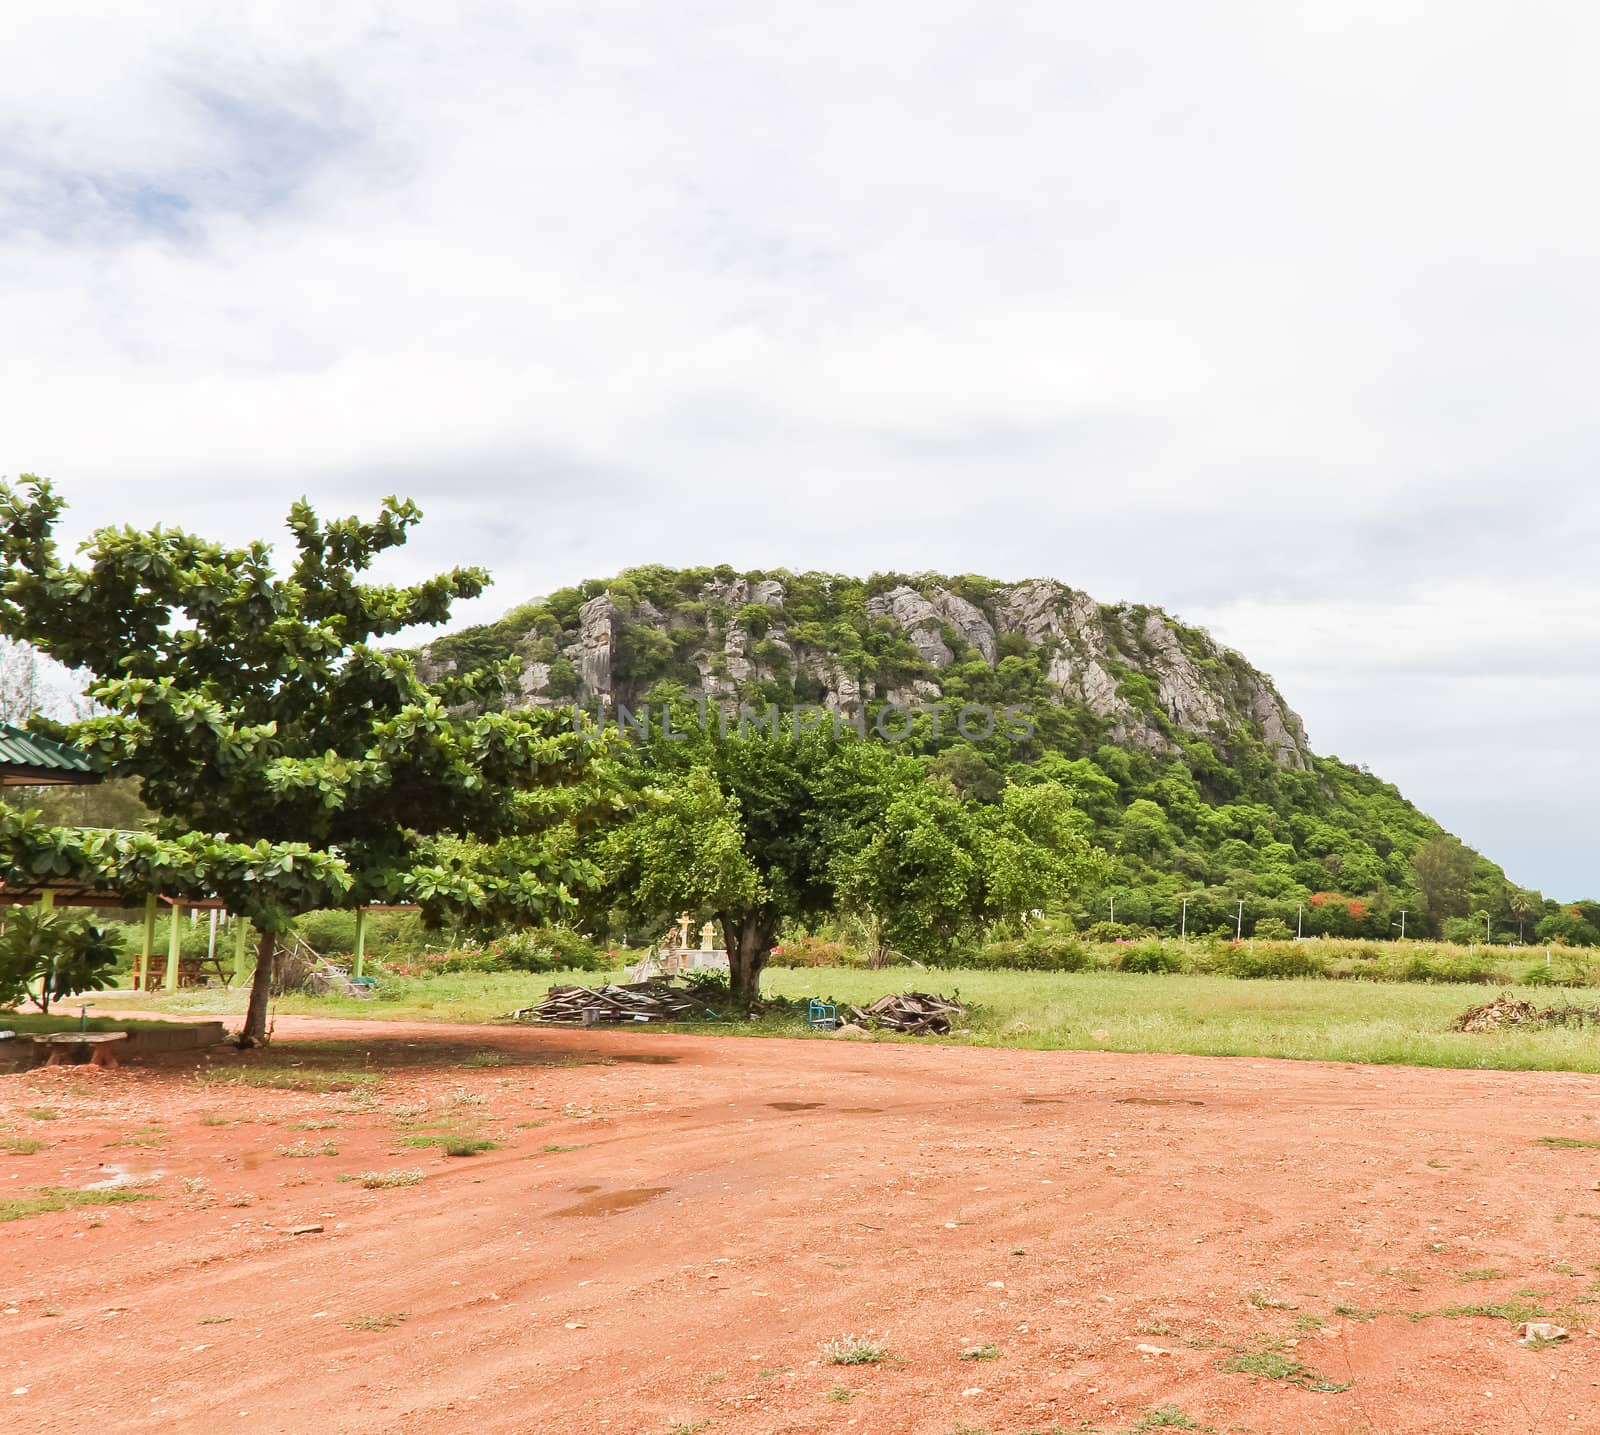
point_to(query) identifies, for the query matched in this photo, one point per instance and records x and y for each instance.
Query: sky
(1283, 316)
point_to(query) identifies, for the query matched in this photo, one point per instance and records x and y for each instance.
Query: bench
(101, 1046)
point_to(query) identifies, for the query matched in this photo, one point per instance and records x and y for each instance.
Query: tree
(733, 826)
(255, 704)
(763, 828)
(1522, 904)
(63, 954)
(1442, 869)
(930, 868)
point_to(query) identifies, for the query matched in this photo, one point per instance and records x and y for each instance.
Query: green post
(149, 942)
(240, 925)
(174, 942)
(47, 900)
(361, 938)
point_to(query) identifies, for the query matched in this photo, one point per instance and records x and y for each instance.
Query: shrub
(1448, 969)
(1108, 932)
(807, 950)
(574, 949)
(1273, 929)
(62, 954)
(1274, 962)
(1044, 952)
(1150, 957)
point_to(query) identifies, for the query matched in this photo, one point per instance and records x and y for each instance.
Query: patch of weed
(378, 1180)
(56, 1198)
(1270, 1363)
(374, 1322)
(853, 1350)
(1164, 1417)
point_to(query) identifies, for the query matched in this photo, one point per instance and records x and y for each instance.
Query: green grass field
(1388, 1023)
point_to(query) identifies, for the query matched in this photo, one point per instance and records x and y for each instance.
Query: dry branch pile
(591, 1006)
(1505, 1012)
(915, 1013)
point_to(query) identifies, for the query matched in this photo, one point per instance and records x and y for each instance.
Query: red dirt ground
(674, 1224)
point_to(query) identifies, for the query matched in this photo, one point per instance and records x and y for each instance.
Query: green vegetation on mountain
(1186, 766)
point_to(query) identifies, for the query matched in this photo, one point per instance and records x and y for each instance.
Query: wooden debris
(914, 1013)
(599, 1006)
(1505, 1012)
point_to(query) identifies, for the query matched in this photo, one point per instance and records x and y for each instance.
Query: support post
(361, 939)
(174, 948)
(47, 900)
(149, 943)
(239, 928)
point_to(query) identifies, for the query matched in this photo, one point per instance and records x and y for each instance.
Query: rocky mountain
(841, 642)
(1194, 775)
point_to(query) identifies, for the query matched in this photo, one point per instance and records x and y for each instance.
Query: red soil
(719, 1208)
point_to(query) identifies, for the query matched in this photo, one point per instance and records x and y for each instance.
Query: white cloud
(1279, 314)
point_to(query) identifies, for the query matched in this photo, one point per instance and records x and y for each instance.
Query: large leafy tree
(1442, 869)
(293, 762)
(769, 827)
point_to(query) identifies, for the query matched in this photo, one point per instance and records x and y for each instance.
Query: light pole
(1238, 931)
(1299, 917)
(1183, 930)
(1113, 909)
(1402, 924)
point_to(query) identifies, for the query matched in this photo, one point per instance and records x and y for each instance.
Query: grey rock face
(1084, 652)
(598, 622)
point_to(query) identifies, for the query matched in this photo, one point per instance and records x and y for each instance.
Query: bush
(1150, 957)
(1274, 962)
(574, 949)
(1108, 932)
(1449, 969)
(807, 950)
(63, 955)
(1039, 952)
(1273, 929)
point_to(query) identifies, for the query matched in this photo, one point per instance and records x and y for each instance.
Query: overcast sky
(1282, 316)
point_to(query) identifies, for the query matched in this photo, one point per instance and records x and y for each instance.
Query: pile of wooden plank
(597, 1006)
(915, 1013)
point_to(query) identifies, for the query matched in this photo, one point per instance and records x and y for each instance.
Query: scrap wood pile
(638, 1001)
(1505, 1012)
(915, 1013)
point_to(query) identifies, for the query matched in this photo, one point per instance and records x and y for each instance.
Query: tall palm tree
(1523, 904)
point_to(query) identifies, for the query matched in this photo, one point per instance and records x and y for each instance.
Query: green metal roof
(25, 756)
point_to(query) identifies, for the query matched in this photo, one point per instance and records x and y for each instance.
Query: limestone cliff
(841, 642)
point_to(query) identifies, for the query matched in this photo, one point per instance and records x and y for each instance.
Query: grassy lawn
(1380, 1022)
(31, 1023)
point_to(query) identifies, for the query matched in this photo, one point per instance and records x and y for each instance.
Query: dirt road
(671, 1227)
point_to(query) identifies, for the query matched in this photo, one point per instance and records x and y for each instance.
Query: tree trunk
(255, 1019)
(749, 942)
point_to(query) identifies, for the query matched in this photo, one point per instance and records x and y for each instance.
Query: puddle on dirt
(794, 1105)
(1158, 1101)
(120, 1176)
(616, 1201)
(645, 1058)
(861, 1110)
(1045, 1101)
(582, 1190)
(252, 1159)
